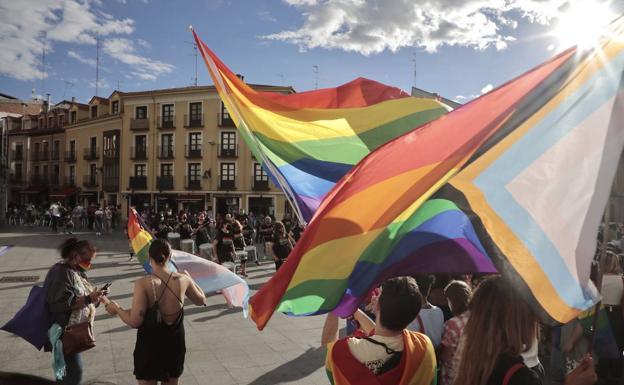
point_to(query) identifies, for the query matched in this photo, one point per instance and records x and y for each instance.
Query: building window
(44, 171)
(36, 171)
(73, 117)
(56, 172)
(56, 151)
(194, 171)
(166, 169)
(51, 122)
(72, 148)
(141, 112)
(92, 170)
(140, 170)
(93, 146)
(94, 111)
(228, 141)
(18, 171)
(195, 112)
(195, 141)
(228, 171)
(72, 175)
(259, 174)
(224, 112)
(115, 107)
(166, 144)
(167, 113)
(140, 146)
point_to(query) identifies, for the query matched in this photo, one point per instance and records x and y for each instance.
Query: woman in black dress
(282, 245)
(158, 312)
(223, 245)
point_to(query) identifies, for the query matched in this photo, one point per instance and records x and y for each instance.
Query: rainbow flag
(523, 175)
(208, 275)
(417, 365)
(308, 141)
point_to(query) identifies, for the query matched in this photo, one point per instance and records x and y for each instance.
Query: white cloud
(487, 89)
(23, 23)
(103, 84)
(266, 16)
(77, 56)
(123, 50)
(370, 27)
(144, 43)
(144, 76)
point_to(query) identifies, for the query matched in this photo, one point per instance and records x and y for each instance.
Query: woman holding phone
(158, 313)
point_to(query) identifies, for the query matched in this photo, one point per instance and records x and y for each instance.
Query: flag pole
(603, 252)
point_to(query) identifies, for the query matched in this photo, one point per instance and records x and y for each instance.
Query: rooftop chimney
(73, 99)
(241, 77)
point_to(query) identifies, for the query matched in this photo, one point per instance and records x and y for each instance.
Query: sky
(459, 49)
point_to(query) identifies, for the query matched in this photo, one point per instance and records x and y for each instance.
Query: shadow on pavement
(296, 369)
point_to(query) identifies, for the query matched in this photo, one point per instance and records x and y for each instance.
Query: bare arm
(366, 323)
(330, 329)
(194, 292)
(134, 316)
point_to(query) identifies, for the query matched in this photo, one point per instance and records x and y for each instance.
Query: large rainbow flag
(308, 141)
(208, 275)
(523, 175)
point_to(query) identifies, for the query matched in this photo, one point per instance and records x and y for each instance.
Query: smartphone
(106, 286)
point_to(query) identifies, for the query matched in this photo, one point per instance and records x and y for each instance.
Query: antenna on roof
(97, 64)
(43, 64)
(118, 85)
(316, 76)
(194, 54)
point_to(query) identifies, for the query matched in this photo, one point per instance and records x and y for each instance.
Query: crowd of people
(421, 330)
(97, 218)
(228, 235)
(479, 331)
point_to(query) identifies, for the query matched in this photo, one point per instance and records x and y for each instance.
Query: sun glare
(583, 23)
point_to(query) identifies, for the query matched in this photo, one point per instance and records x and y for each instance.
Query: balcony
(166, 122)
(230, 151)
(138, 153)
(194, 121)
(139, 124)
(92, 153)
(138, 182)
(70, 156)
(192, 183)
(16, 179)
(39, 180)
(164, 182)
(193, 152)
(17, 155)
(34, 156)
(70, 181)
(224, 120)
(260, 185)
(111, 154)
(55, 155)
(89, 181)
(165, 152)
(227, 184)
(110, 183)
(55, 180)
(44, 156)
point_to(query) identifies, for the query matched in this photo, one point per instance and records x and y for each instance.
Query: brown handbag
(77, 338)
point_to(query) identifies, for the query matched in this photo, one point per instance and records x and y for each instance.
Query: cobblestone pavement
(222, 346)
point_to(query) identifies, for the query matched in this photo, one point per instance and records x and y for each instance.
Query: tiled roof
(20, 107)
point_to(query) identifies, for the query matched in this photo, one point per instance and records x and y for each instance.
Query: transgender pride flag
(208, 275)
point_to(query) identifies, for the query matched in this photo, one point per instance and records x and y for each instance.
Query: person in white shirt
(430, 319)
(55, 211)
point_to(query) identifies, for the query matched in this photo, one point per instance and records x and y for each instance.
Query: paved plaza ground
(222, 346)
